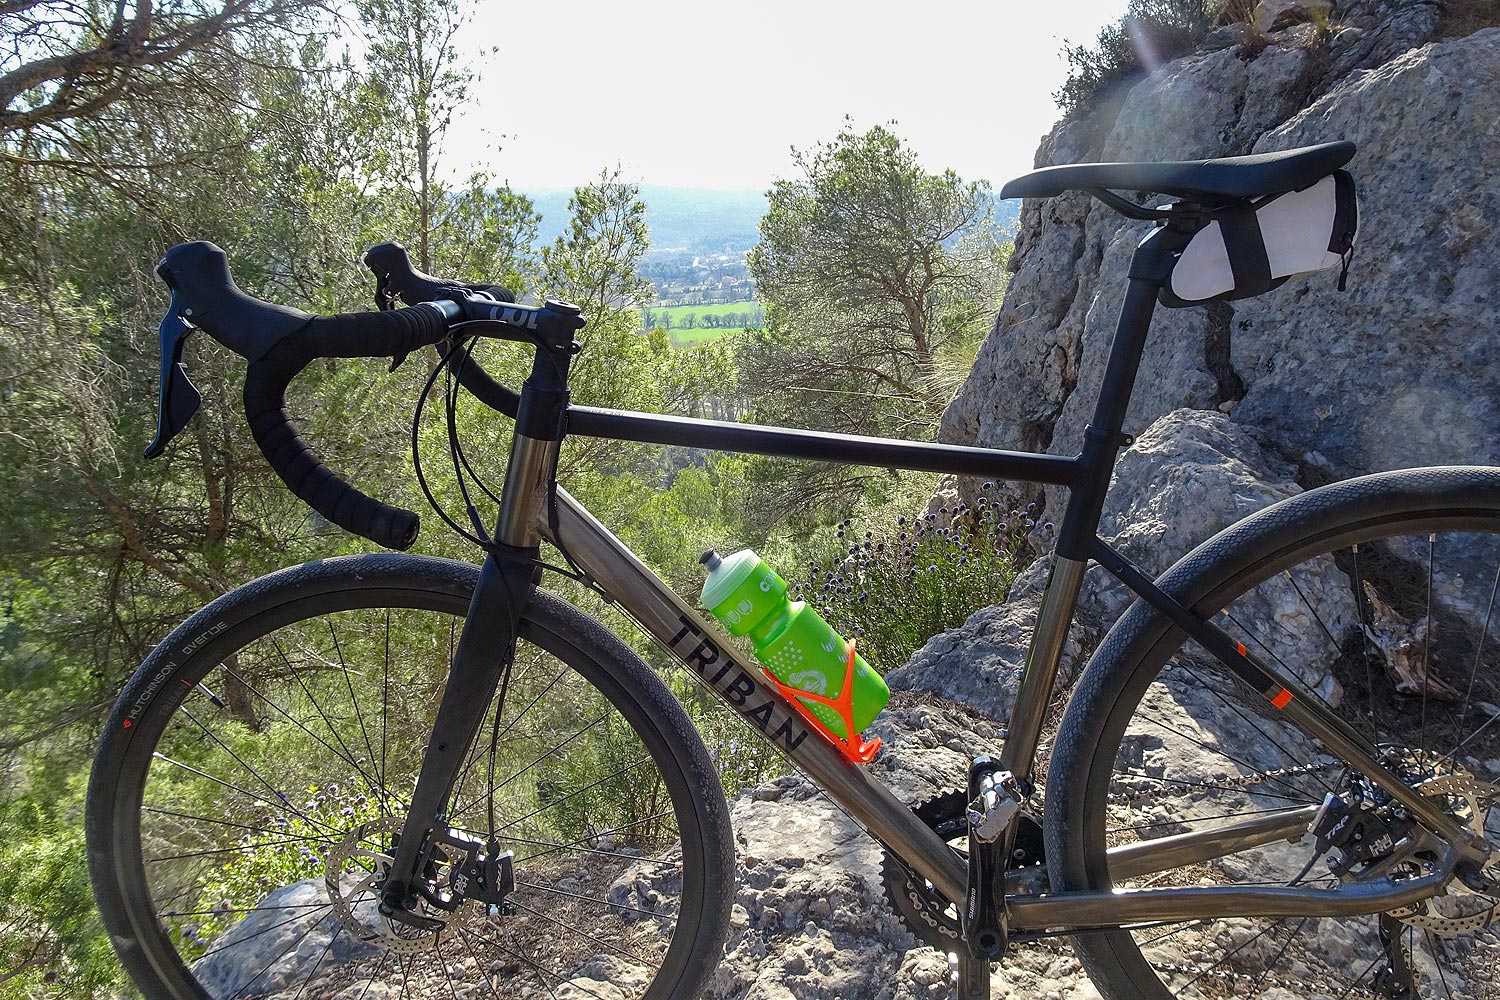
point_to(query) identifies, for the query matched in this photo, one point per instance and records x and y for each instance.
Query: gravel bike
(393, 775)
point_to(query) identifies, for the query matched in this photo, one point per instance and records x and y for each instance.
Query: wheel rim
(1171, 762)
(243, 826)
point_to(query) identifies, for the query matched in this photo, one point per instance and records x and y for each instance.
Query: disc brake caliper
(1355, 830)
(475, 870)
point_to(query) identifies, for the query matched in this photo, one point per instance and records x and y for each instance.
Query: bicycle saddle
(1228, 177)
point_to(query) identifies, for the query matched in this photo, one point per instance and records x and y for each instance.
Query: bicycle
(381, 846)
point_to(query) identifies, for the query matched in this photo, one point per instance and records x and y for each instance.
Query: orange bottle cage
(854, 749)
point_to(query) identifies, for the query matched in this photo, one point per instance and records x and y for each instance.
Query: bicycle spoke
(1301, 795)
(1231, 953)
(318, 708)
(1184, 820)
(603, 833)
(574, 794)
(284, 803)
(218, 949)
(597, 902)
(318, 964)
(526, 959)
(443, 964)
(1277, 957)
(553, 848)
(580, 933)
(236, 757)
(1484, 634)
(1203, 785)
(296, 722)
(349, 683)
(385, 706)
(234, 850)
(1426, 681)
(1234, 707)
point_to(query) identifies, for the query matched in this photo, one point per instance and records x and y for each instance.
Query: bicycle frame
(533, 509)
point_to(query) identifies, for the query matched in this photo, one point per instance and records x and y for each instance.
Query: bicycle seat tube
(1103, 439)
(506, 580)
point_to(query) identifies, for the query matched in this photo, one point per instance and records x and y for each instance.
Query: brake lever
(177, 398)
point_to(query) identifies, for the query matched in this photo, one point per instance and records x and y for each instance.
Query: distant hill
(680, 218)
(697, 220)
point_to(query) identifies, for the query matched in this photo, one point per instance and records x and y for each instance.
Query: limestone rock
(282, 948)
(1035, 377)
(1404, 368)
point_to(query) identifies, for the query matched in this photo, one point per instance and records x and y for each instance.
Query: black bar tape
(266, 379)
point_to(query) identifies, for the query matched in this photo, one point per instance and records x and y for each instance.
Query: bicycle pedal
(996, 805)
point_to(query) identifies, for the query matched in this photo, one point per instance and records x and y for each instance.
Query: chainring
(353, 892)
(927, 913)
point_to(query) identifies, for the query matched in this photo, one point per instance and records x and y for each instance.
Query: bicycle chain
(1233, 781)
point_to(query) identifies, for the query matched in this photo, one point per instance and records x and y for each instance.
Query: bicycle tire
(205, 828)
(1128, 739)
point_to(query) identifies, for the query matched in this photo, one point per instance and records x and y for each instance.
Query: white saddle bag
(1252, 247)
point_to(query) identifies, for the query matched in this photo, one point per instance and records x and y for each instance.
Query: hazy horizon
(713, 97)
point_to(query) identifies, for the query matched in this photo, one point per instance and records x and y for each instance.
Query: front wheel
(1379, 595)
(253, 777)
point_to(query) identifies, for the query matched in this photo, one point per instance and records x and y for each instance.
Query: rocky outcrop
(1401, 370)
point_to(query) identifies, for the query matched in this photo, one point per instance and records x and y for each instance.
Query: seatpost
(1150, 267)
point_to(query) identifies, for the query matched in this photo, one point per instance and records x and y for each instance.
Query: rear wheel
(252, 782)
(1379, 595)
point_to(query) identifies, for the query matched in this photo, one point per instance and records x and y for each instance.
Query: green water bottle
(797, 646)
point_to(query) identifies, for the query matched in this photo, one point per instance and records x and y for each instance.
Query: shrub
(1464, 17)
(895, 588)
(1152, 32)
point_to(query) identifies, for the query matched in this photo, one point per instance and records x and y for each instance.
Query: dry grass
(1464, 17)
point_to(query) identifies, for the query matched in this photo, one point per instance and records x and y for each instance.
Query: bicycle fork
(486, 649)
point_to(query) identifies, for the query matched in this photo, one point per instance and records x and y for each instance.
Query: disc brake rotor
(352, 875)
(1459, 909)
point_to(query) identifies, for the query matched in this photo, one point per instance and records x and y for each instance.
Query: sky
(713, 95)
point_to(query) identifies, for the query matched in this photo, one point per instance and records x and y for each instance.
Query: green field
(698, 324)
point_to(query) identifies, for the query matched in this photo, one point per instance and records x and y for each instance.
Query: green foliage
(880, 278)
(264, 863)
(895, 586)
(872, 268)
(600, 789)
(1151, 33)
(714, 317)
(1464, 17)
(51, 944)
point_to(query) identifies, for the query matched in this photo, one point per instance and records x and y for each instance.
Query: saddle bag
(1250, 247)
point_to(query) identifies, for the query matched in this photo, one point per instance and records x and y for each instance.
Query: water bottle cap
(726, 575)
